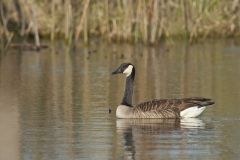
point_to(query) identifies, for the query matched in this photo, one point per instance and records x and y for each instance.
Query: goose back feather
(168, 108)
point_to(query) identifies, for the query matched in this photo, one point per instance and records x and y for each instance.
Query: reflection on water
(149, 138)
(54, 104)
(192, 123)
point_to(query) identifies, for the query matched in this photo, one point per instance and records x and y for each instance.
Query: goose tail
(198, 106)
(200, 102)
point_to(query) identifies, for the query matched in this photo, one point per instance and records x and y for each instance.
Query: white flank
(192, 112)
(128, 70)
(123, 111)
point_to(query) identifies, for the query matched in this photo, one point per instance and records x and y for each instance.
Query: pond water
(54, 103)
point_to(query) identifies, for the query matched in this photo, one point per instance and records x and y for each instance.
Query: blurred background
(147, 21)
(56, 59)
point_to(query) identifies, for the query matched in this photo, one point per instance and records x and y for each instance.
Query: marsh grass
(146, 21)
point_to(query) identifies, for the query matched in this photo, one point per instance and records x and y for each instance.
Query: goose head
(125, 68)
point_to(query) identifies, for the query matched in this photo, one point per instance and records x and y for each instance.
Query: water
(54, 103)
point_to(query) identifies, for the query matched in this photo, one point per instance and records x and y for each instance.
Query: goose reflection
(192, 123)
(141, 136)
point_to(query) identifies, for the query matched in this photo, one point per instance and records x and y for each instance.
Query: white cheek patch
(128, 70)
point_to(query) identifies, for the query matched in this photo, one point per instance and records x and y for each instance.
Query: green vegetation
(145, 21)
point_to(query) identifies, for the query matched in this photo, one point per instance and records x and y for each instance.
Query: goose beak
(117, 71)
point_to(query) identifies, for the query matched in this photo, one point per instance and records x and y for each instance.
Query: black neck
(128, 93)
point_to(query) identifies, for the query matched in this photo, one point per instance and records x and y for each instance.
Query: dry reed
(146, 21)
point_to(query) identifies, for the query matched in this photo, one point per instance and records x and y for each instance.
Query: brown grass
(146, 21)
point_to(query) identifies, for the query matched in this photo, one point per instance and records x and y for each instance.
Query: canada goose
(157, 108)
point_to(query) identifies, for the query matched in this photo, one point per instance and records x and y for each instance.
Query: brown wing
(169, 108)
(195, 101)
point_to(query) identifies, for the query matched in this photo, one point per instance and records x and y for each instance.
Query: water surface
(54, 103)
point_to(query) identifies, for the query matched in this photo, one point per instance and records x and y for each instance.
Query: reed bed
(147, 21)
